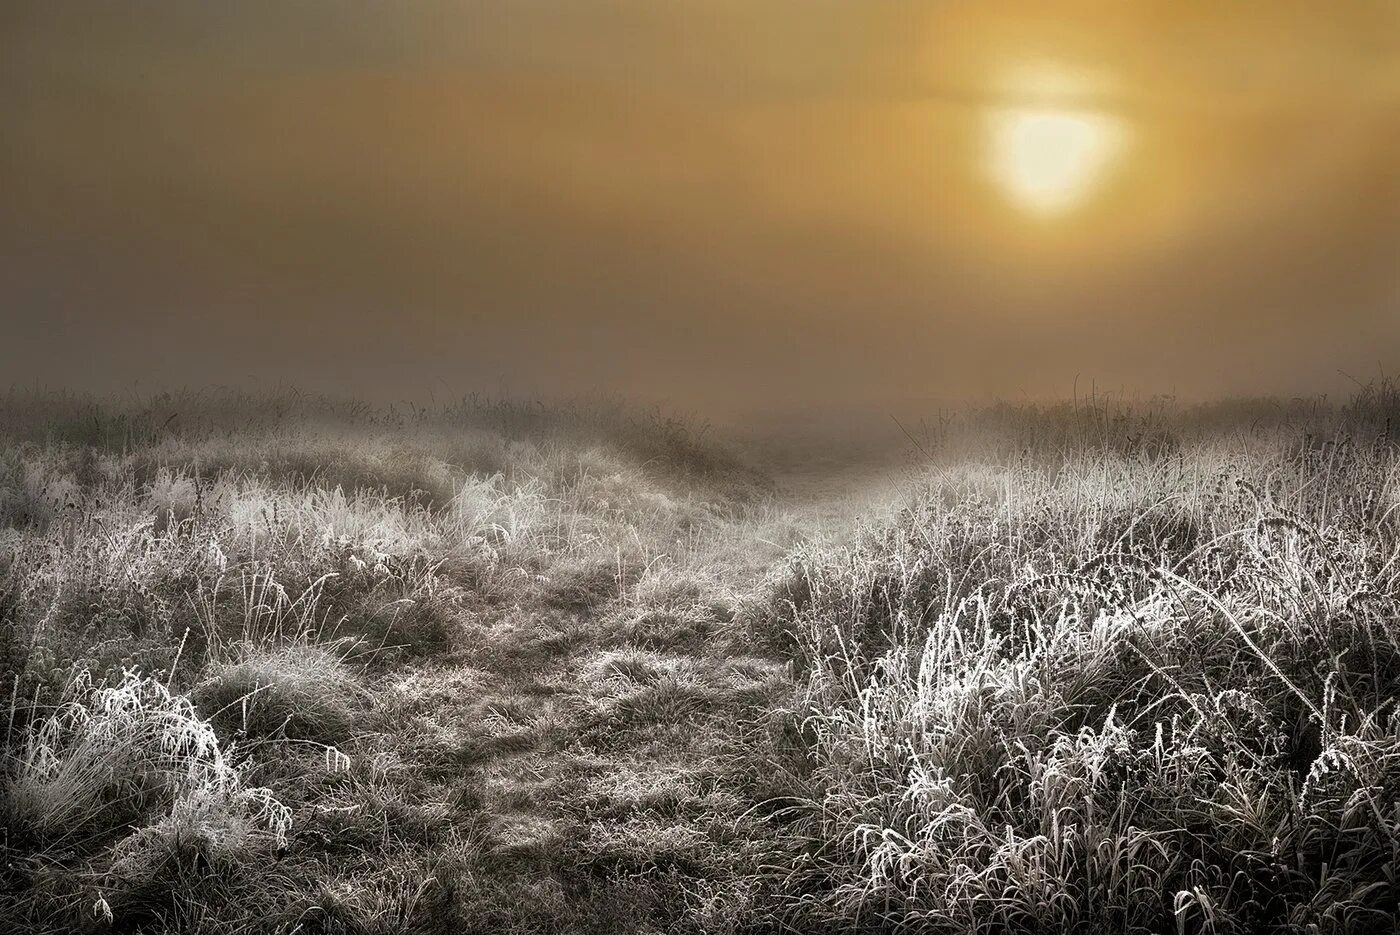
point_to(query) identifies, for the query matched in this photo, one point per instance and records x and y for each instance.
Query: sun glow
(1051, 161)
(1047, 151)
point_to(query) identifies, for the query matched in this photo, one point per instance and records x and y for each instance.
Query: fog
(728, 206)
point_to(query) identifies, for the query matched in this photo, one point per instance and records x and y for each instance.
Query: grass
(290, 664)
(1095, 687)
(379, 632)
(106, 757)
(298, 691)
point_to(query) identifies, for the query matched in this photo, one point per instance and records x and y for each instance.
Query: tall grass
(290, 664)
(108, 755)
(207, 600)
(1099, 687)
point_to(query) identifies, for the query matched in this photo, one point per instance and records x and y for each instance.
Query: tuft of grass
(584, 584)
(298, 692)
(204, 851)
(110, 756)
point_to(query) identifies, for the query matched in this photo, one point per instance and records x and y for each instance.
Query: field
(291, 664)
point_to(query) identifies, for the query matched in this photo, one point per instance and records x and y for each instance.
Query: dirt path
(622, 755)
(610, 765)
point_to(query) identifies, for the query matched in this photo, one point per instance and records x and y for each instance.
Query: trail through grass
(489, 662)
(295, 665)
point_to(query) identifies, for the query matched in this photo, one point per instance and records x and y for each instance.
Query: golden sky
(720, 204)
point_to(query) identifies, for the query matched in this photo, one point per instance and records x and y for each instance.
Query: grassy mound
(298, 691)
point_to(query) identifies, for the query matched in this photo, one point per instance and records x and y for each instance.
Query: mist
(756, 206)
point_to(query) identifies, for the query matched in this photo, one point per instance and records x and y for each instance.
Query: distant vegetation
(285, 663)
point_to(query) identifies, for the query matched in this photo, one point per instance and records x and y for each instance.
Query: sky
(720, 205)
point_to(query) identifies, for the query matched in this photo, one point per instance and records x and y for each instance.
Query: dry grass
(109, 756)
(1093, 687)
(297, 691)
(293, 665)
(296, 665)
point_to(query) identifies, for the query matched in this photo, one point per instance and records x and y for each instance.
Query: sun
(1051, 161)
(1047, 151)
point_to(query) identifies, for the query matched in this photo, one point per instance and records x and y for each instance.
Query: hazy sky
(718, 203)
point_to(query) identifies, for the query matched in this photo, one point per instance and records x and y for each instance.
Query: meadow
(283, 663)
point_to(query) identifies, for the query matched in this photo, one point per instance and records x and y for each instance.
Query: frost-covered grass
(1078, 686)
(294, 665)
